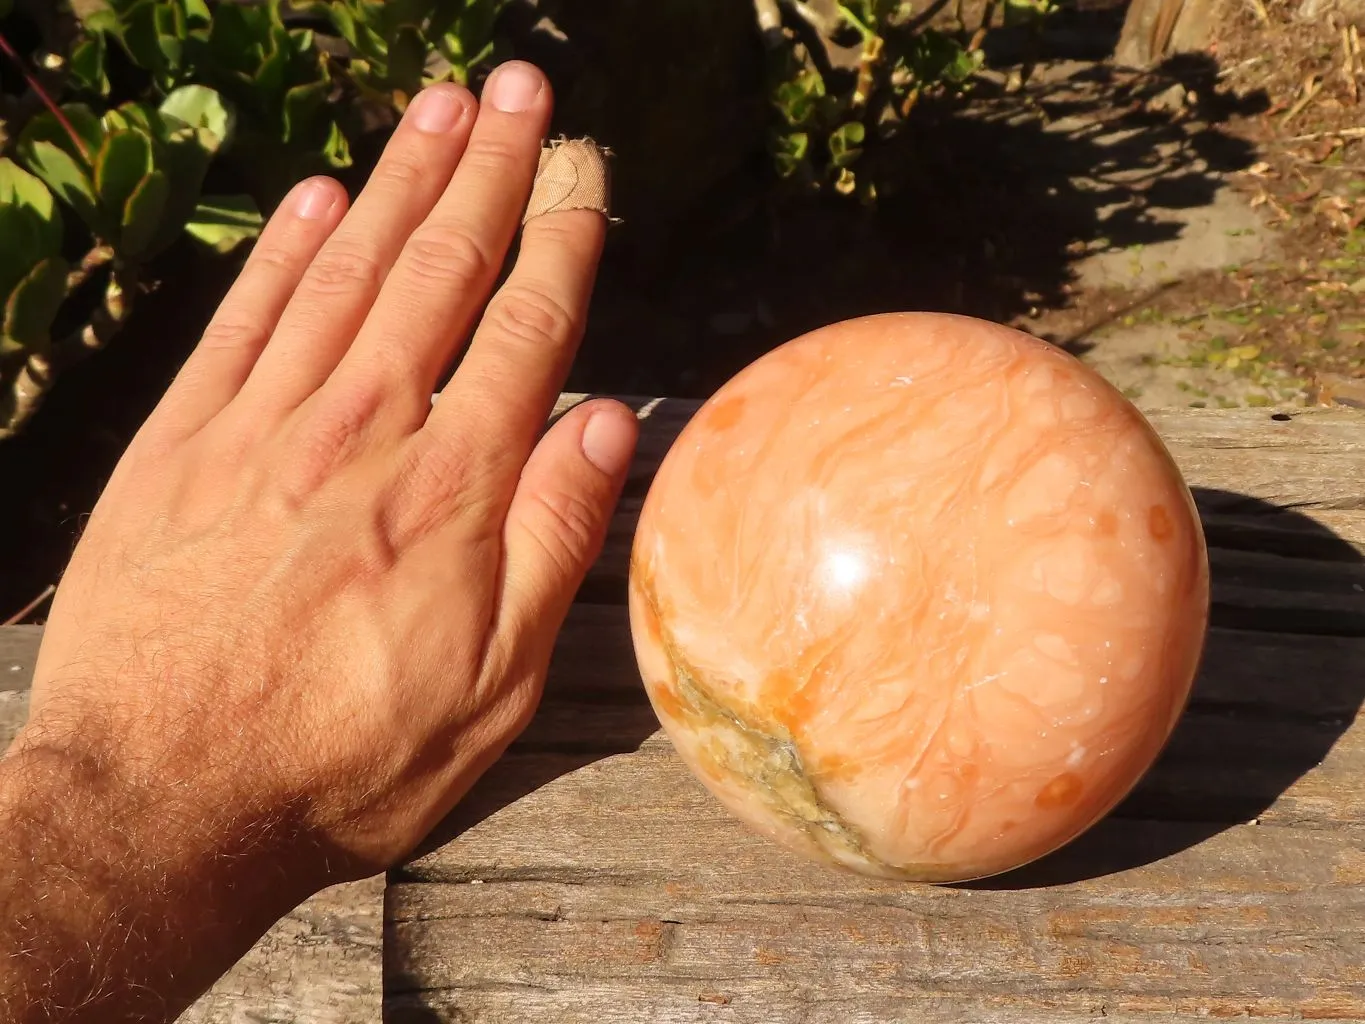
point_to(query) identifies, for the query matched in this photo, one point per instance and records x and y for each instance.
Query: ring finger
(339, 288)
(445, 272)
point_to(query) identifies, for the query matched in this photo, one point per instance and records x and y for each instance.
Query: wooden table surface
(589, 878)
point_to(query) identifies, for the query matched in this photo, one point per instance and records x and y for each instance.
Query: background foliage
(131, 127)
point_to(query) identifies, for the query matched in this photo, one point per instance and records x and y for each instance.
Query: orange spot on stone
(767, 957)
(1159, 522)
(667, 702)
(725, 415)
(649, 619)
(1062, 790)
(1106, 524)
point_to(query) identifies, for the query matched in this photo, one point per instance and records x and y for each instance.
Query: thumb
(558, 518)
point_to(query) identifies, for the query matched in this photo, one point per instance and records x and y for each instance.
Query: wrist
(116, 878)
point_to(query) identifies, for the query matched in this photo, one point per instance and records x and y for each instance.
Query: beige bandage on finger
(573, 175)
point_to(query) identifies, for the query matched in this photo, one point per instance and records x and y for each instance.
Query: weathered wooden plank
(1311, 459)
(699, 1002)
(18, 653)
(626, 882)
(320, 964)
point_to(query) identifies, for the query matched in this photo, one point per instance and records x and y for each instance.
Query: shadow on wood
(1254, 729)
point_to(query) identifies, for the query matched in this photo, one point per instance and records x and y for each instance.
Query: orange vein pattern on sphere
(919, 595)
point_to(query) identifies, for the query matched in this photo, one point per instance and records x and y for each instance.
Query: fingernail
(513, 87)
(436, 110)
(315, 200)
(609, 440)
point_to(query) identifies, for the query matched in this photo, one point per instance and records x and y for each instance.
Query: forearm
(118, 903)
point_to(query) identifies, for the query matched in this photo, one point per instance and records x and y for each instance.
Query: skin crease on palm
(311, 606)
(919, 595)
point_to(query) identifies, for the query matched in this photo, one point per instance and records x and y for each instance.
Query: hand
(311, 607)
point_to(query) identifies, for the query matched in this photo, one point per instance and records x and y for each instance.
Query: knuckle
(448, 255)
(402, 170)
(275, 259)
(561, 234)
(568, 529)
(530, 316)
(493, 157)
(332, 430)
(229, 335)
(439, 484)
(342, 270)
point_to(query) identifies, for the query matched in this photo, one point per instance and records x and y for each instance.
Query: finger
(447, 268)
(525, 343)
(340, 286)
(558, 519)
(244, 322)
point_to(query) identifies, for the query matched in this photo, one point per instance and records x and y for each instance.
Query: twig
(1239, 66)
(1341, 133)
(1140, 302)
(35, 379)
(1311, 87)
(23, 612)
(99, 256)
(812, 18)
(769, 17)
(43, 96)
(1348, 68)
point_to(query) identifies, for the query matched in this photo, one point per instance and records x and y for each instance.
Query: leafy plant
(104, 170)
(132, 175)
(830, 106)
(401, 46)
(276, 78)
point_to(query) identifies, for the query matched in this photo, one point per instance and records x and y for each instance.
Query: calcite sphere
(918, 595)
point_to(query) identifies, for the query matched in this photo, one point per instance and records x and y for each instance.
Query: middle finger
(441, 280)
(337, 291)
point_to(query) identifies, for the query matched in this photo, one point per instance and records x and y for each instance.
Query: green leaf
(185, 164)
(123, 161)
(87, 64)
(22, 249)
(336, 151)
(845, 143)
(102, 20)
(202, 109)
(224, 222)
(302, 105)
(141, 216)
(789, 150)
(407, 58)
(87, 128)
(141, 37)
(68, 179)
(24, 192)
(33, 305)
(137, 117)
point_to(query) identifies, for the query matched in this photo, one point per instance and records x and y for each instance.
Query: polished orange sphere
(919, 595)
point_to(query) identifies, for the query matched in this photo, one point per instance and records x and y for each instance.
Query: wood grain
(627, 880)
